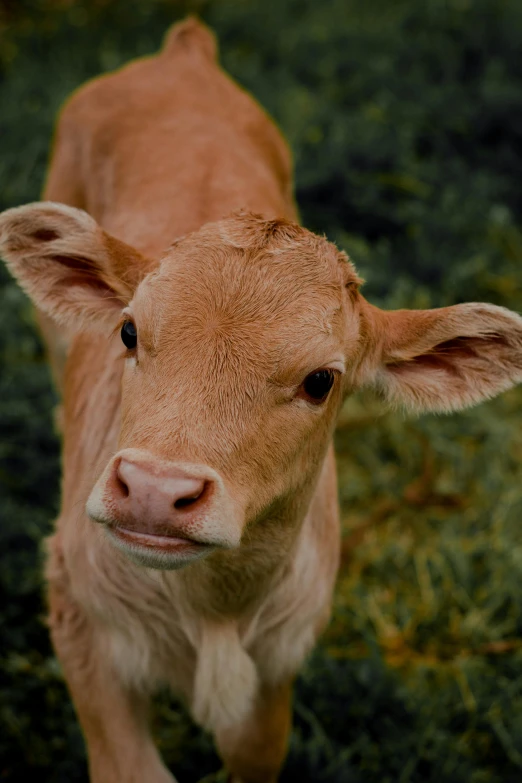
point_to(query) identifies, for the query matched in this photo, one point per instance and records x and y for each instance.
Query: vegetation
(405, 119)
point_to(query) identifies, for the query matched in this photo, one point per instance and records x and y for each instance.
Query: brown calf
(198, 540)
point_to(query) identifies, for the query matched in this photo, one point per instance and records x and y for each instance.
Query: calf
(198, 540)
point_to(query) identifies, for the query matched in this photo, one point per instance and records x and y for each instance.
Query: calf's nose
(151, 499)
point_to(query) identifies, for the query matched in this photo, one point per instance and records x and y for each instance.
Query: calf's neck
(210, 343)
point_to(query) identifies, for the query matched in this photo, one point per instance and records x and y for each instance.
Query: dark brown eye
(129, 335)
(317, 385)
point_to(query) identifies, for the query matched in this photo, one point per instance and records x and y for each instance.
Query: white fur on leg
(226, 680)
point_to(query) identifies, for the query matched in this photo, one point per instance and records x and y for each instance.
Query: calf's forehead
(274, 293)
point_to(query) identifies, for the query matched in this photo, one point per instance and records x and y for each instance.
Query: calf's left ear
(440, 360)
(73, 270)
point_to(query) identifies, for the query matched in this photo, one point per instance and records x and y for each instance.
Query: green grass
(406, 123)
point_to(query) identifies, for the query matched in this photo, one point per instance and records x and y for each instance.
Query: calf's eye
(317, 385)
(129, 335)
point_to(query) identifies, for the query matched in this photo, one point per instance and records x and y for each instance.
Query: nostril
(120, 486)
(191, 500)
(184, 502)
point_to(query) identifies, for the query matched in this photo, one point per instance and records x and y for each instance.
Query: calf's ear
(440, 360)
(72, 269)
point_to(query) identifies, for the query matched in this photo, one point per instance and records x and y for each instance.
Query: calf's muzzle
(157, 501)
(163, 514)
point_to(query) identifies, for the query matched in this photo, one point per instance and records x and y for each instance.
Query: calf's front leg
(255, 750)
(114, 719)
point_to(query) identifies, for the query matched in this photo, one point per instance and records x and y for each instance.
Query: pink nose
(162, 501)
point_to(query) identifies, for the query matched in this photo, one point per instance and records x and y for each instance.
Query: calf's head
(238, 346)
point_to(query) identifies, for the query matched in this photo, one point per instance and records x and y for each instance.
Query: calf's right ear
(72, 269)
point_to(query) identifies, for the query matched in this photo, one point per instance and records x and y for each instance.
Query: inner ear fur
(73, 270)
